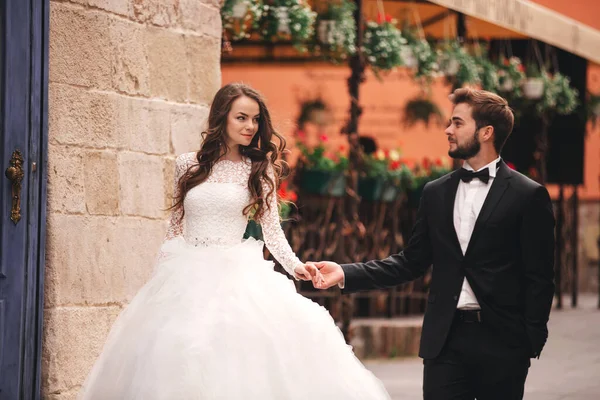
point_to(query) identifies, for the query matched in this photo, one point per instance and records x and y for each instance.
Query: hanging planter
(408, 57)
(419, 55)
(382, 44)
(239, 10)
(510, 75)
(240, 17)
(558, 96)
(288, 20)
(458, 65)
(326, 31)
(533, 88)
(422, 109)
(336, 29)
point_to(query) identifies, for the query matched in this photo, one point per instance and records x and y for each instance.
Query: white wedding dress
(215, 321)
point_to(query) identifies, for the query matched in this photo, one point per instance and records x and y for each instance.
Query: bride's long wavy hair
(262, 151)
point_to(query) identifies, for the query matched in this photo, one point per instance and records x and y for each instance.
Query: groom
(488, 231)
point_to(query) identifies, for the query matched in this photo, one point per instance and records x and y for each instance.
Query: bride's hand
(307, 272)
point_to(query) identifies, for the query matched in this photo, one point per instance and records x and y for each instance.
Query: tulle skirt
(216, 323)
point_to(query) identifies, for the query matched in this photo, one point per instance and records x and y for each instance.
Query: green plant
(559, 96)
(337, 29)
(288, 19)
(318, 158)
(427, 58)
(310, 111)
(382, 45)
(453, 57)
(488, 74)
(428, 171)
(422, 109)
(240, 16)
(593, 108)
(511, 73)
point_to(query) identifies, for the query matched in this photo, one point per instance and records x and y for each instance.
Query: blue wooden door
(23, 142)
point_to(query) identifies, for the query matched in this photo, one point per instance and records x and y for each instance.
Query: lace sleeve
(175, 228)
(273, 234)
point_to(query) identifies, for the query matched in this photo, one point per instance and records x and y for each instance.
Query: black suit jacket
(509, 262)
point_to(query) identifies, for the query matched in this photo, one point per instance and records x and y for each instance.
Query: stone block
(156, 12)
(66, 191)
(187, 125)
(85, 118)
(101, 174)
(168, 68)
(142, 185)
(146, 123)
(139, 242)
(200, 17)
(73, 338)
(80, 47)
(98, 260)
(129, 58)
(121, 7)
(204, 55)
(169, 168)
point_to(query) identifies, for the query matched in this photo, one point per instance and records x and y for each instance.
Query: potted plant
(384, 176)
(422, 109)
(593, 108)
(240, 16)
(533, 84)
(382, 44)
(558, 96)
(488, 74)
(510, 74)
(458, 65)
(323, 171)
(336, 29)
(423, 173)
(288, 19)
(419, 55)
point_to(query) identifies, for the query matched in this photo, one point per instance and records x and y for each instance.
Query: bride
(215, 321)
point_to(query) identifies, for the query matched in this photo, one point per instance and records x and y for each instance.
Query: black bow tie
(467, 176)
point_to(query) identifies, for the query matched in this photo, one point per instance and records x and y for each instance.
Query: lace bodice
(214, 211)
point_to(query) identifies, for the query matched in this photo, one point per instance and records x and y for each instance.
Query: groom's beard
(467, 150)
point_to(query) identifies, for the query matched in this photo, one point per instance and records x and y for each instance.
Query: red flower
(438, 162)
(511, 166)
(506, 62)
(323, 138)
(521, 68)
(381, 18)
(292, 196)
(426, 163)
(394, 165)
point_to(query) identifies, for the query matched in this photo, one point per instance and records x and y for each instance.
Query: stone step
(386, 338)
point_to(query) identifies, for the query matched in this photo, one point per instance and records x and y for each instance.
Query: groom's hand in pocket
(332, 274)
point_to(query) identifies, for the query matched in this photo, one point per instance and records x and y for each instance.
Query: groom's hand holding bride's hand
(330, 274)
(308, 272)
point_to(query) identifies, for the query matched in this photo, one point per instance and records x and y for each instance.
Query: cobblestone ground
(569, 368)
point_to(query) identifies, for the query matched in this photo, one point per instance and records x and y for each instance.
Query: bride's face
(242, 121)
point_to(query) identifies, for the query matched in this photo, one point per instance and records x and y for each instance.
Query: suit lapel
(499, 186)
(450, 188)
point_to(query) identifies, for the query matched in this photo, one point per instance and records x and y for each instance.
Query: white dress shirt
(469, 200)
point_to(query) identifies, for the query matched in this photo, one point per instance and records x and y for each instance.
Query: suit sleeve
(537, 245)
(408, 265)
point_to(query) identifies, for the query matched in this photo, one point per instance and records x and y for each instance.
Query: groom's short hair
(488, 109)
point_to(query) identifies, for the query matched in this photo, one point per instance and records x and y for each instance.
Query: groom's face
(462, 132)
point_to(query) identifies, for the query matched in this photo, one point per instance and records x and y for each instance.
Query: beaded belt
(212, 242)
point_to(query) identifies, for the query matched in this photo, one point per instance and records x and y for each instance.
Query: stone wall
(130, 84)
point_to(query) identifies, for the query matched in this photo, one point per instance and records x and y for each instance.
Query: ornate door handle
(15, 174)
